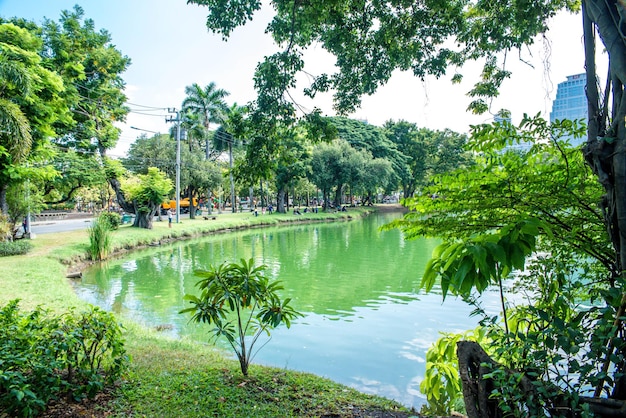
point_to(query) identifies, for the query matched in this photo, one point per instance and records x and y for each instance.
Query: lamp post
(178, 168)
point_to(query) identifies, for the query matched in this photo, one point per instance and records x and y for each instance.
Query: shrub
(113, 219)
(99, 239)
(14, 247)
(44, 356)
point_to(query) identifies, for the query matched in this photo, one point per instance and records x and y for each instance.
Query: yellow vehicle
(184, 205)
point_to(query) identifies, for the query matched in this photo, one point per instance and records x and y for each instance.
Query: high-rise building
(571, 101)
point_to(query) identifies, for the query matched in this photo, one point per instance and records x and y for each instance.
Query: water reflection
(365, 324)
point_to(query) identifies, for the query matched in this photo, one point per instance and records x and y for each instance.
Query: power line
(146, 107)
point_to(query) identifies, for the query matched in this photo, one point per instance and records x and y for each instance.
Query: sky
(170, 48)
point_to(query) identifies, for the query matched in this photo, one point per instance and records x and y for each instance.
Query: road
(62, 225)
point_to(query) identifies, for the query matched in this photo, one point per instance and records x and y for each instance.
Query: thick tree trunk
(280, 201)
(338, 193)
(605, 150)
(144, 219)
(474, 366)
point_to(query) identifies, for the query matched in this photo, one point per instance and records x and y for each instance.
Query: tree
(91, 69)
(73, 173)
(492, 216)
(362, 136)
(146, 192)
(332, 167)
(229, 135)
(30, 103)
(157, 151)
(242, 303)
(377, 172)
(371, 39)
(208, 103)
(407, 136)
(199, 175)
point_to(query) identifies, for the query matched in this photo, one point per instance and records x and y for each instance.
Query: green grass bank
(179, 378)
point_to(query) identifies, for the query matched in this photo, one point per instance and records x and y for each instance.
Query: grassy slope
(173, 378)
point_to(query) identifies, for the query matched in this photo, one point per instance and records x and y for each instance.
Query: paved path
(60, 225)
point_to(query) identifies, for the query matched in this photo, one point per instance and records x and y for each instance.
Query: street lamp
(145, 130)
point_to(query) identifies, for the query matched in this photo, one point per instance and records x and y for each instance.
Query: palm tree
(226, 135)
(193, 125)
(208, 102)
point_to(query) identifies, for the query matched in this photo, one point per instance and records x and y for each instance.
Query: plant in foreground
(45, 356)
(242, 303)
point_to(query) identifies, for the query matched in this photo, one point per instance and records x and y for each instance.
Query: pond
(365, 324)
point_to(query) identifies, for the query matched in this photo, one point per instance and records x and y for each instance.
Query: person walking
(170, 215)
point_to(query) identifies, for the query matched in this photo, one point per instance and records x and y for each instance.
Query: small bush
(113, 219)
(45, 356)
(99, 239)
(14, 247)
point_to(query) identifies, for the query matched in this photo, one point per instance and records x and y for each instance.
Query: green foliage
(482, 260)
(100, 239)
(528, 222)
(371, 39)
(113, 219)
(8, 248)
(45, 356)
(442, 383)
(243, 291)
(93, 350)
(146, 192)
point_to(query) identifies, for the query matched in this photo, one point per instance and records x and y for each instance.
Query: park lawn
(176, 378)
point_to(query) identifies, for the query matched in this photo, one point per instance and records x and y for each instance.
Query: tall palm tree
(226, 135)
(193, 124)
(207, 102)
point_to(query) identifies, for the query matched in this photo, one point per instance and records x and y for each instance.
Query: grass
(175, 378)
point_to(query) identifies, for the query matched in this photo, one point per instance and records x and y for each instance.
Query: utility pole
(177, 120)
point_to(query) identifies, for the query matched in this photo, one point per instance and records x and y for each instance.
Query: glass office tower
(571, 101)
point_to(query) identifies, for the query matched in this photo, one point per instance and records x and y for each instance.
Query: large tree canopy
(371, 38)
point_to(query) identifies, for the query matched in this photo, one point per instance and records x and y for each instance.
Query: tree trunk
(474, 366)
(192, 208)
(338, 193)
(605, 151)
(4, 207)
(144, 219)
(128, 207)
(281, 201)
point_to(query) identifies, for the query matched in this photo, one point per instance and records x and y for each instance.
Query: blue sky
(170, 48)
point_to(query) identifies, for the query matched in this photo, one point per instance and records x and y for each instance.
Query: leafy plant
(242, 303)
(113, 219)
(442, 384)
(43, 356)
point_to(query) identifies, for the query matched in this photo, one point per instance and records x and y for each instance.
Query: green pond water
(365, 323)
